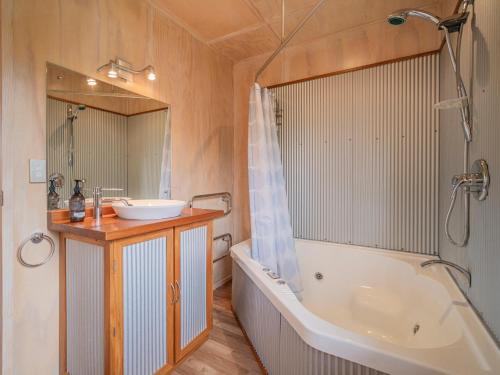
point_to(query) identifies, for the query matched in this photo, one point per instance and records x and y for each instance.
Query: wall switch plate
(38, 173)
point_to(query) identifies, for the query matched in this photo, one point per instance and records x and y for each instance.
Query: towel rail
(229, 240)
(224, 196)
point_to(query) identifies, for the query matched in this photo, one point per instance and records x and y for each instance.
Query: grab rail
(227, 238)
(224, 196)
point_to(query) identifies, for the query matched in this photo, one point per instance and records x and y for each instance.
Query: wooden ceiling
(245, 28)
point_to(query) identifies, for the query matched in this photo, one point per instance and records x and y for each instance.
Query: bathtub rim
(329, 338)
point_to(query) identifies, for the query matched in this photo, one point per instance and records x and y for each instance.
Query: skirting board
(223, 281)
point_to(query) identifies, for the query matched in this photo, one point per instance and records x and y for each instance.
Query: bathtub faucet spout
(463, 271)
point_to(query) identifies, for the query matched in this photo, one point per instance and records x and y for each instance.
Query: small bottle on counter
(77, 203)
(52, 197)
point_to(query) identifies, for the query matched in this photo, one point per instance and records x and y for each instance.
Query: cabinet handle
(179, 291)
(174, 294)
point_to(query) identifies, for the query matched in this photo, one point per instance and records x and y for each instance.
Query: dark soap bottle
(52, 197)
(77, 203)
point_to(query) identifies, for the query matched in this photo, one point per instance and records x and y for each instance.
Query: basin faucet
(463, 271)
(98, 200)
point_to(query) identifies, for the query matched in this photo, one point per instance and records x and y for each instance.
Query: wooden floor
(226, 351)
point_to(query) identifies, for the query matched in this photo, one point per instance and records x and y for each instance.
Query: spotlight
(112, 73)
(151, 74)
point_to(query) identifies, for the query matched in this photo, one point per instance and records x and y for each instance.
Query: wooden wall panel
(81, 35)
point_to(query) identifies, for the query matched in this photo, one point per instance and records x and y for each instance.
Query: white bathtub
(380, 309)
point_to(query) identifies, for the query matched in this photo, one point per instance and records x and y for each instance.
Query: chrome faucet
(98, 200)
(463, 271)
(476, 182)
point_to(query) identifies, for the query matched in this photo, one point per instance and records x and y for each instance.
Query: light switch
(37, 171)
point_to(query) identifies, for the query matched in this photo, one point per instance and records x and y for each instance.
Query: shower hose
(466, 217)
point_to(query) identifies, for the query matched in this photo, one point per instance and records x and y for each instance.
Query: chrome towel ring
(35, 238)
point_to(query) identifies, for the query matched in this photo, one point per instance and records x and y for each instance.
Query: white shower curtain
(272, 239)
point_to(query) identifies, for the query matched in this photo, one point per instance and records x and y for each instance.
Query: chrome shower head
(400, 17)
(73, 113)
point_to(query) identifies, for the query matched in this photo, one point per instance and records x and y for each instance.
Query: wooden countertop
(111, 227)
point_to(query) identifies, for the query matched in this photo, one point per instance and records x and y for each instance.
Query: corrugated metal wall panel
(281, 350)
(193, 283)
(85, 308)
(360, 154)
(145, 307)
(146, 133)
(482, 254)
(258, 317)
(100, 140)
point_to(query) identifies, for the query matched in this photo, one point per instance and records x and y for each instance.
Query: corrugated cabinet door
(148, 304)
(193, 279)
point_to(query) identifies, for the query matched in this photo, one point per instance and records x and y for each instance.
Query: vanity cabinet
(135, 305)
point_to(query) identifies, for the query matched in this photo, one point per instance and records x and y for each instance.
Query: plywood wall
(81, 35)
(480, 63)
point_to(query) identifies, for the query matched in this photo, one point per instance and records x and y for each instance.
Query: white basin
(149, 209)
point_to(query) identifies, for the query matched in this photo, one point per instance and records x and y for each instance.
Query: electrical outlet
(38, 171)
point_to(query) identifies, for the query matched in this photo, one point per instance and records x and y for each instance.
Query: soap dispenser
(77, 203)
(52, 197)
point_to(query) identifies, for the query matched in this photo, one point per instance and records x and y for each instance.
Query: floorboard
(226, 351)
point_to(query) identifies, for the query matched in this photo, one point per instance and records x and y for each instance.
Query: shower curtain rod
(288, 38)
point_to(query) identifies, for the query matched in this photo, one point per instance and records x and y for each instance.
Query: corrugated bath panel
(259, 318)
(100, 148)
(361, 153)
(280, 348)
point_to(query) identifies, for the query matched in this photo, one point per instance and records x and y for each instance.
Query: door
(146, 338)
(193, 281)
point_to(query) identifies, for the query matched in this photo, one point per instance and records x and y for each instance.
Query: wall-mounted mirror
(105, 135)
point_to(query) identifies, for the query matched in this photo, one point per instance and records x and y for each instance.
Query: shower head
(73, 113)
(399, 17)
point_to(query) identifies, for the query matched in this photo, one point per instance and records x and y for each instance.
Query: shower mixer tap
(476, 182)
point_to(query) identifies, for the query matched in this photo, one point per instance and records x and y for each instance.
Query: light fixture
(91, 81)
(118, 68)
(112, 73)
(151, 74)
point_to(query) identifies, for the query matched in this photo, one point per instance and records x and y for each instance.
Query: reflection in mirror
(107, 136)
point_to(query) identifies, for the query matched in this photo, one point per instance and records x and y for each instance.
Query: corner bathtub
(373, 312)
